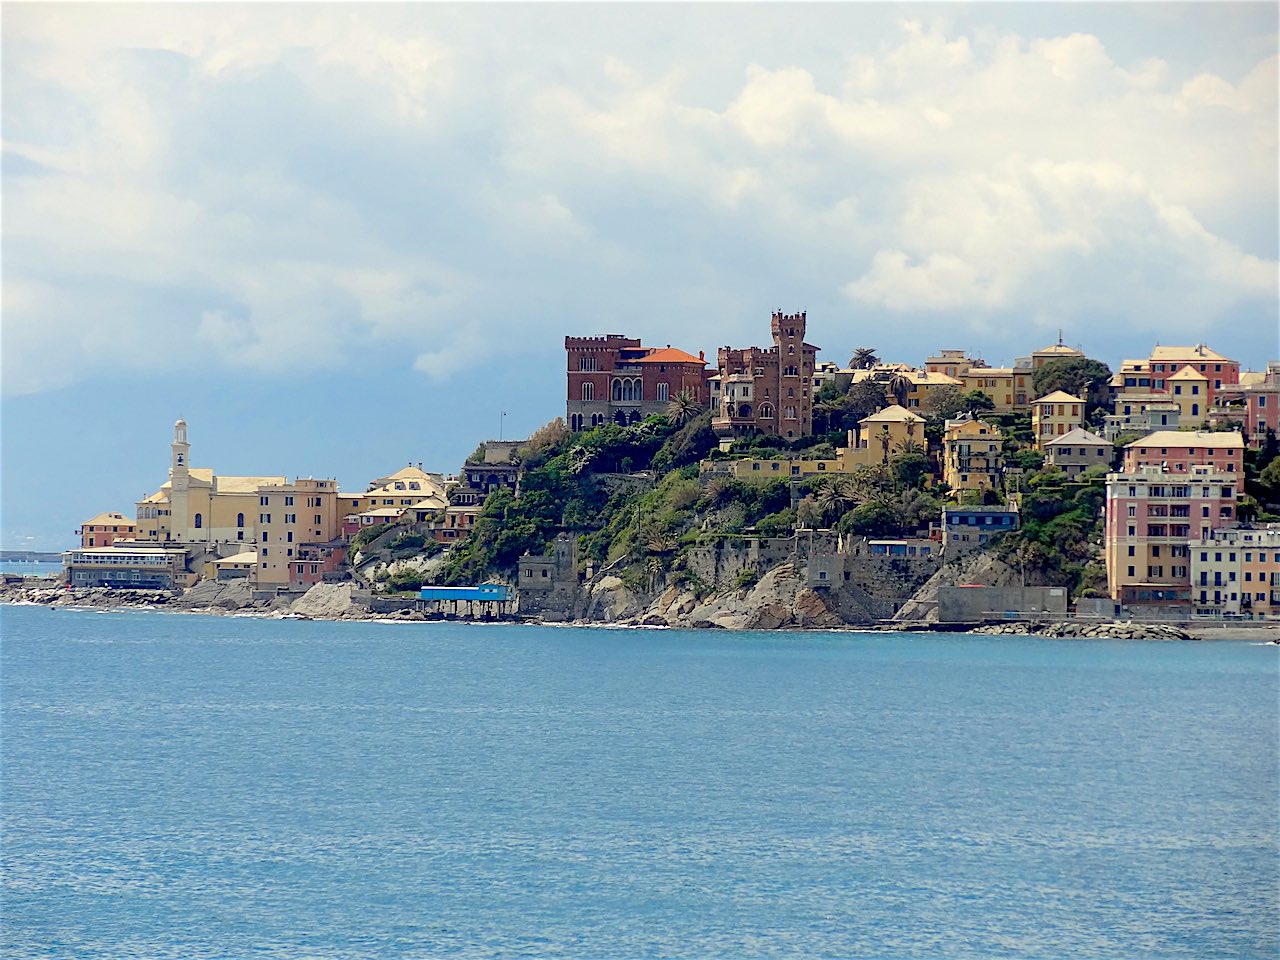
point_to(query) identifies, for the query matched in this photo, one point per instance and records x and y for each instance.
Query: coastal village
(765, 487)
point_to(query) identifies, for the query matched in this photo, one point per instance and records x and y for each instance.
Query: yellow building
(1009, 388)
(952, 363)
(880, 437)
(923, 383)
(998, 383)
(972, 454)
(1055, 415)
(289, 516)
(1189, 389)
(408, 488)
(1057, 351)
(195, 505)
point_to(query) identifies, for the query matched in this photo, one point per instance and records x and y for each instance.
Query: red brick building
(767, 391)
(616, 379)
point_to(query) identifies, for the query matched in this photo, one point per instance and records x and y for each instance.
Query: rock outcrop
(779, 600)
(609, 600)
(328, 601)
(215, 595)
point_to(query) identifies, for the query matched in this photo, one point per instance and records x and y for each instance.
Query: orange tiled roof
(671, 355)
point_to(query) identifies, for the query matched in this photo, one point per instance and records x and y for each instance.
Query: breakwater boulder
(1085, 629)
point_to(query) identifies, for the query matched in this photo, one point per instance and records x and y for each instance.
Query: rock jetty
(1081, 629)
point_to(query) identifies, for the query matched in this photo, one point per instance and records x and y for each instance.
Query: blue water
(23, 569)
(187, 787)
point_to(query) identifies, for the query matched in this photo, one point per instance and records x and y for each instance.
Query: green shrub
(405, 580)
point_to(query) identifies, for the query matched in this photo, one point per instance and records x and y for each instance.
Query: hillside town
(774, 488)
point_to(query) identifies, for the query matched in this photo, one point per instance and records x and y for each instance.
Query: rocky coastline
(763, 607)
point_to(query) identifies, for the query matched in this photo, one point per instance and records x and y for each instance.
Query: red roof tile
(671, 355)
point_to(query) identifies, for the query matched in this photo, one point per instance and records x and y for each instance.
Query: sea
(179, 786)
(28, 568)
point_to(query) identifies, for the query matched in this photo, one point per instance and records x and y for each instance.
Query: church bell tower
(181, 453)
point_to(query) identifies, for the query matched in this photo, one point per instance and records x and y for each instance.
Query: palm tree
(835, 497)
(683, 407)
(909, 446)
(886, 439)
(825, 412)
(900, 385)
(864, 358)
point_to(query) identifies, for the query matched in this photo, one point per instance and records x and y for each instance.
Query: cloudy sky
(340, 238)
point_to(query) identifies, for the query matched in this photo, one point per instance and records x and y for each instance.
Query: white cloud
(282, 187)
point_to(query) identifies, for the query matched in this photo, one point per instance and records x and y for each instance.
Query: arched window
(635, 416)
(745, 410)
(620, 417)
(766, 411)
(597, 419)
(588, 390)
(789, 413)
(239, 519)
(575, 422)
(617, 390)
(199, 521)
(664, 393)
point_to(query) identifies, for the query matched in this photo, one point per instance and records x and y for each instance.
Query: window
(264, 501)
(289, 536)
(288, 501)
(588, 391)
(239, 519)
(663, 393)
(199, 521)
(264, 518)
(264, 537)
(317, 519)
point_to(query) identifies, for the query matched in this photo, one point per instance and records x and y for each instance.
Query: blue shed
(493, 592)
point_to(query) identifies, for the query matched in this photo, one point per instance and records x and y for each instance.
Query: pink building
(314, 561)
(105, 529)
(1153, 515)
(1217, 369)
(1179, 450)
(1253, 402)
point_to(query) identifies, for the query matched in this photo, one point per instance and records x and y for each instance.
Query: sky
(341, 238)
